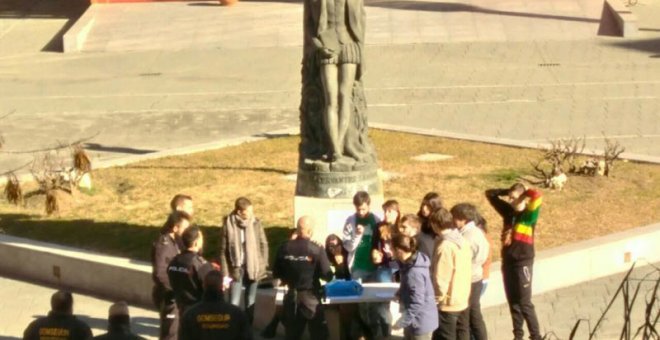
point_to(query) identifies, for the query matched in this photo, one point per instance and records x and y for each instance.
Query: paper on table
(384, 295)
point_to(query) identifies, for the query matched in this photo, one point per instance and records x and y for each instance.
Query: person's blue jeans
(250, 294)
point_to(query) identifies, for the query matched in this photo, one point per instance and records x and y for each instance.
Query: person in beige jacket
(451, 270)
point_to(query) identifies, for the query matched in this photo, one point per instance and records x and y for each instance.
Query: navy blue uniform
(300, 264)
(57, 326)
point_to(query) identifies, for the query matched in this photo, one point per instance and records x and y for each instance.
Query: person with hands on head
(519, 208)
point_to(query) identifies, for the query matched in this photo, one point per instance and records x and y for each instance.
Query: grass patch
(129, 203)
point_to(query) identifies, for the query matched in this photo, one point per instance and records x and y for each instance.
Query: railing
(629, 290)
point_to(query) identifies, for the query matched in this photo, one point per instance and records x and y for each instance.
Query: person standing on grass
(426, 237)
(164, 249)
(419, 313)
(451, 272)
(465, 215)
(243, 253)
(519, 208)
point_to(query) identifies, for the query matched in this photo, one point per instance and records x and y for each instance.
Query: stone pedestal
(330, 214)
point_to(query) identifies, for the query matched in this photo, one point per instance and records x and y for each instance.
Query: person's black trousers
(297, 316)
(168, 312)
(447, 328)
(518, 288)
(471, 320)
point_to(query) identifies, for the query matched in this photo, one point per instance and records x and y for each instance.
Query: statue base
(328, 197)
(330, 214)
(338, 184)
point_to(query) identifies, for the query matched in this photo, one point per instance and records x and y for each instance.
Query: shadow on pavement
(114, 238)
(116, 149)
(417, 5)
(651, 46)
(220, 168)
(45, 9)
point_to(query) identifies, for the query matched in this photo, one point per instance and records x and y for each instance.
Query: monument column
(336, 156)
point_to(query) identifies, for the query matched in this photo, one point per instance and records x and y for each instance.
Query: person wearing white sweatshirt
(465, 215)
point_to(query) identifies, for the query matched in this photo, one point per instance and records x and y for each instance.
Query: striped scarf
(523, 228)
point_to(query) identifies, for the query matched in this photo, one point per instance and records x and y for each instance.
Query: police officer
(213, 318)
(187, 270)
(300, 264)
(164, 249)
(60, 322)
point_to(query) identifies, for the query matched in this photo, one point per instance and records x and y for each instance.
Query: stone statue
(333, 110)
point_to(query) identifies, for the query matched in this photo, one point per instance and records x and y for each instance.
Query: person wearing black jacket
(187, 270)
(213, 318)
(60, 322)
(300, 264)
(164, 249)
(119, 324)
(519, 213)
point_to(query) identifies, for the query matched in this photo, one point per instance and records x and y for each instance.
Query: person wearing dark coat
(119, 324)
(213, 318)
(60, 322)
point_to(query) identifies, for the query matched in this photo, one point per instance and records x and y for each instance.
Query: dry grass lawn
(128, 203)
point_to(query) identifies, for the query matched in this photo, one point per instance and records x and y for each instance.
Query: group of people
(440, 257)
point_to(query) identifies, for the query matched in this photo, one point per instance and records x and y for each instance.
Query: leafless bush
(13, 191)
(611, 153)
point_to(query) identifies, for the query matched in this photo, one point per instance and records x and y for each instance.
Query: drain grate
(549, 64)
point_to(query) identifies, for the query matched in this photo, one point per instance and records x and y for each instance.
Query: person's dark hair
(213, 281)
(517, 187)
(328, 252)
(432, 200)
(392, 205)
(404, 242)
(464, 211)
(241, 204)
(360, 198)
(178, 199)
(190, 235)
(61, 302)
(441, 219)
(119, 320)
(174, 219)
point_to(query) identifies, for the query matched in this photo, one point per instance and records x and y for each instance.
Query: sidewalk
(529, 90)
(558, 310)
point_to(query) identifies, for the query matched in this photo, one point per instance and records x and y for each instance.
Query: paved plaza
(546, 75)
(558, 310)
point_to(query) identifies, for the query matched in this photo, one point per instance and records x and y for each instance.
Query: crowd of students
(440, 257)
